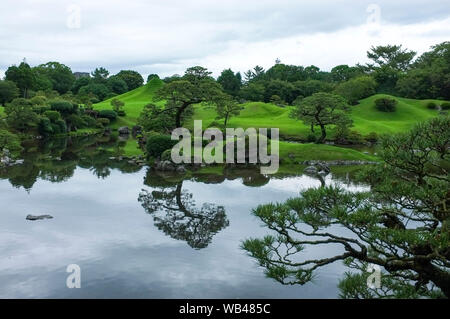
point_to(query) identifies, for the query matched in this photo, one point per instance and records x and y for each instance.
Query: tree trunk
(321, 140)
(312, 127)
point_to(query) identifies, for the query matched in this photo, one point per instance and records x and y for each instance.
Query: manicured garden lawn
(366, 119)
(134, 101)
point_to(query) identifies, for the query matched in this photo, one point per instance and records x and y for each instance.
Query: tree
(227, 107)
(197, 86)
(253, 92)
(59, 75)
(22, 75)
(20, 115)
(390, 62)
(429, 76)
(151, 77)
(322, 109)
(357, 89)
(79, 83)
(100, 75)
(401, 225)
(117, 105)
(231, 83)
(391, 55)
(344, 72)
(177, 215)
(156, 118)
(256, 74)
(101, 91)
(132, 78)
(10, 142)
(117, 85)
(8, 91)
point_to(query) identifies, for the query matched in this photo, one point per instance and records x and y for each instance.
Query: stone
(38, 217)
(310, 170)
(124, 130)
(181, 169)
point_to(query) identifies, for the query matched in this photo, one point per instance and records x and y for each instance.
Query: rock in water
(310, 170)
(32, 217)
(124, 130)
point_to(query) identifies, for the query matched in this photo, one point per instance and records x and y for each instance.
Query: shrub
(157, 144)
(386, 104)
(38, 100)
(445, 106)
(11, 142)
(90, 121)
(102, 122)
(76, 121)
(45, 126)
(166, 155)
(121, 113)
(109, 114)
(372, 137)
(311, 138)
(53, 116)
(431, 105)
(59, 127)
(63, 107)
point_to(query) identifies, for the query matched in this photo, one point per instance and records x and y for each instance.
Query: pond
(137, 234)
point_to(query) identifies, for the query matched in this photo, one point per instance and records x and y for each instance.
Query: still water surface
(181, 241)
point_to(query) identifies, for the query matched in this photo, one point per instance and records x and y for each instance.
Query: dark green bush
(445, 106)
(59, 127)
(89, 120)
(431, 105)
(121, 113)
(372, 137)
(64, 107)
(53, 116)
(311, 138)
(386, 104)
(157, 144)
(45, 126)
(102, 122)
(76, 121)
(109, 114)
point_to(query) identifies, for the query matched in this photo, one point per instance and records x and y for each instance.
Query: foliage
(117, 85)
(445, 106)
(109, 114)
(10, 142)
(152, 118)
(157, 143)
(230, 82)
(386, 104)
(226, 107)
(322, 109)
(132, 79)
(117, 105)
(402, 225)
(60, 76)
(8, 92)
(431, 105)
(357, 89)
(20, 115)
(22, 75)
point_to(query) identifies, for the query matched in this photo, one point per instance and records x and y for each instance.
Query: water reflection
(176, 214)
(169, 244)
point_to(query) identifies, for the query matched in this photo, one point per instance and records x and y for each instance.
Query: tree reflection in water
(177, 215)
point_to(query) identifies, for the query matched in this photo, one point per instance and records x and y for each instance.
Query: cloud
(166, 37)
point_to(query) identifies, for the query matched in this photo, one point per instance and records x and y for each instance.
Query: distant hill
(365, 116)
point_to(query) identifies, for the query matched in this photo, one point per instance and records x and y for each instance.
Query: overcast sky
(166, 37)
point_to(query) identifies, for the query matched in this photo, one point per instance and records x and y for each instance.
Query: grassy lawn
(134, 101)
(365, 116)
